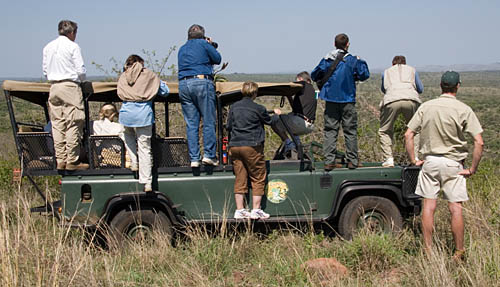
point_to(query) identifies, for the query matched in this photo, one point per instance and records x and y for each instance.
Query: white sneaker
(241, 214)
(258, 214)
(208, 161)
(148, 187)
(388, 162)
(195, 164)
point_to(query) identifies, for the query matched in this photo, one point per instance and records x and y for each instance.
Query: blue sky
(256, 36)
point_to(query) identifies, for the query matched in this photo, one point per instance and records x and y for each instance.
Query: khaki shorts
(248, 162)
(442, 173)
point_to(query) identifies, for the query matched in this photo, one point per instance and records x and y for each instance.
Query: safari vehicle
(297, 190)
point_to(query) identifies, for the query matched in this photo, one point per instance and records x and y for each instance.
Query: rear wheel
(377, 214)
(138, 225)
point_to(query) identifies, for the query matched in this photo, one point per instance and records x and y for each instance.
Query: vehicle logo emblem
(277, 191)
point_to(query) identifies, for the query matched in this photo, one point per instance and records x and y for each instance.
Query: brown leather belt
(208, 77)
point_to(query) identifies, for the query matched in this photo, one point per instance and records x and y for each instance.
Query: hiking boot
(388, 162)
(259, 214)
(195, 164)
(61, 166)
(331, 166)
(77, 165)
(350, 165)
(289, 145)
(209, 161)
(241, 214)
(459, 256)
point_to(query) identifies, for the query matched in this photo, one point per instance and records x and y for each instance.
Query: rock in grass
(325, 268)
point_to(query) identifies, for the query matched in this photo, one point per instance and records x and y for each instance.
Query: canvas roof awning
(38, 93)
(228, 92)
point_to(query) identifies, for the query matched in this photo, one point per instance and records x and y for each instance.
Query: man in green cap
(442, 124)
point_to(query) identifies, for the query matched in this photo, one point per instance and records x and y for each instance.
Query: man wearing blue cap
(442, 124)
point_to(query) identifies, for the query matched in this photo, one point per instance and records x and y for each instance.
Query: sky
(273, 36)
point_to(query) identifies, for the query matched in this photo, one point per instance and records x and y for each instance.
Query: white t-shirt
(107, 128)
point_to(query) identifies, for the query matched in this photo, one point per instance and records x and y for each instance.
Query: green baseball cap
(450, 78)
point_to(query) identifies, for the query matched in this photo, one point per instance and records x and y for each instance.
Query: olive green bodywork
(208, 197)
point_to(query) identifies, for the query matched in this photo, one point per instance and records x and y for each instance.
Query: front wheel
(138, 225)
(377, 214)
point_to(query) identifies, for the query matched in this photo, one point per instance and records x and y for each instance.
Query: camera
(214, 44)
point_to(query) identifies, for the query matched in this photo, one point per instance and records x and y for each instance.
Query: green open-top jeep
(297, 190)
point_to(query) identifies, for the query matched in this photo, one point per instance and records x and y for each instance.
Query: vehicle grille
(410, 178)
(37, 150)
(171, 152)
(107, 152)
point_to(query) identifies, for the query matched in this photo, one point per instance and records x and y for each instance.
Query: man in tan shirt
(442, 124)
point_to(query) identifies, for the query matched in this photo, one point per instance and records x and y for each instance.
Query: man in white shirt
(64, 68)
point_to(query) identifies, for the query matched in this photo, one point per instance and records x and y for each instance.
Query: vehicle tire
(138, 225)
(376, 213)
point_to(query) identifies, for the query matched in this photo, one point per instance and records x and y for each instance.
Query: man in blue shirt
(339, 92)
(197, 93)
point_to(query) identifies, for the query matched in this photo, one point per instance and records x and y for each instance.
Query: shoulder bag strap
(322, 82)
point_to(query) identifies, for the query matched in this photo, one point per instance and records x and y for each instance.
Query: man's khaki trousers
(67, 117)
(388, 115)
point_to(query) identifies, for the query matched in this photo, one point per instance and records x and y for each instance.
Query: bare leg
(428, 222)
(240, 200)
(256, 199)
(457, 224)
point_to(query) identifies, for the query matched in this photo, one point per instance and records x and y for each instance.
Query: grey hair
(67, 27)
(196, 32)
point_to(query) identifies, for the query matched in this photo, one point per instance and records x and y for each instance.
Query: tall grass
(36, 251)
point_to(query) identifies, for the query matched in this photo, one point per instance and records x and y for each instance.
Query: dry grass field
(36, 251)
